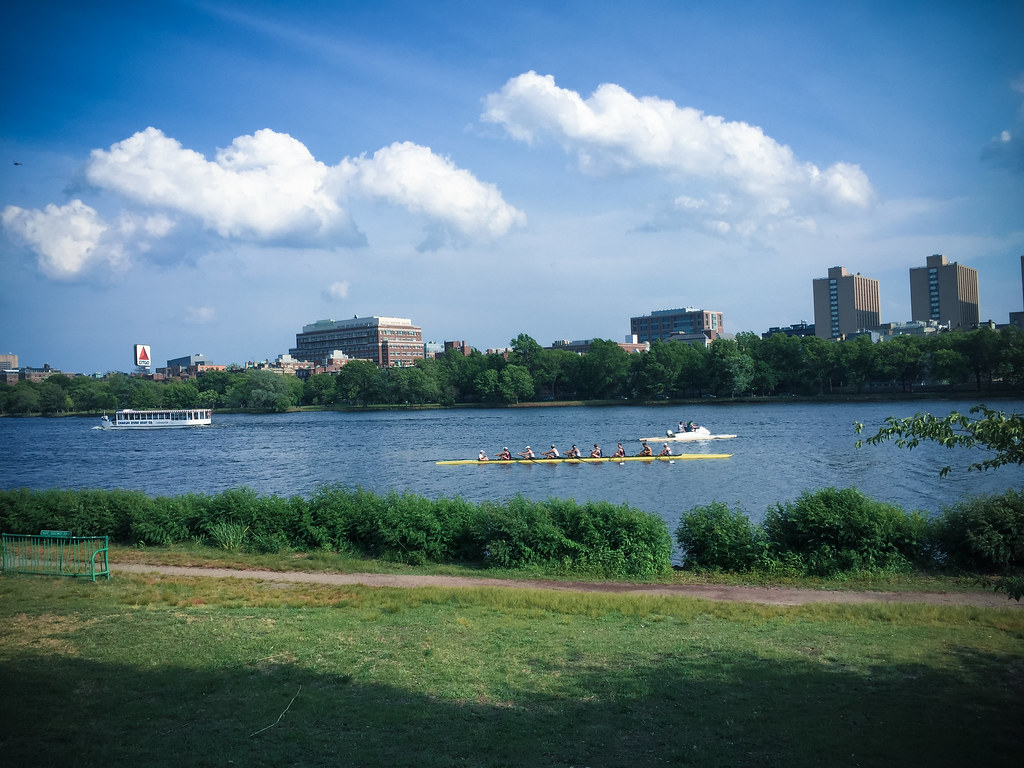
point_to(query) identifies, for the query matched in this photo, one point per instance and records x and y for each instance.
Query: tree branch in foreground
(992, 430)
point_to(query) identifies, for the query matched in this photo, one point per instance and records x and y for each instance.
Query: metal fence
(55, 553)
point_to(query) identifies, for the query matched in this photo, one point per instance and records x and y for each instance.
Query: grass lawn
(173, 671)
(204, 556)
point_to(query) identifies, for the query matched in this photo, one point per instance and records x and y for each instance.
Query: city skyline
(208, 177)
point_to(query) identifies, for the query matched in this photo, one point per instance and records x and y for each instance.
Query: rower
(596, 453)
(619, 452)
(666, 451)
(573, 453)
(527, 454)
(646, 450)
(550, 454)
(505, 454)
(482, 456)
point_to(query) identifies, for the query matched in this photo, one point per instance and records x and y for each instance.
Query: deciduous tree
(1000, 433)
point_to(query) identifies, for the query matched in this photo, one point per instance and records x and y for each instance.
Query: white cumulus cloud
(266, 186)
(200, 315)
(69, 239)
(706, 154)
(413, 177)
(65, 238)
(337, 290)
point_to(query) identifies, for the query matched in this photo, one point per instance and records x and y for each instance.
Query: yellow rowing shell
(681, 456)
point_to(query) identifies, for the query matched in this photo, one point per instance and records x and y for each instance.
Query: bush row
(830, 532)
(596, 538)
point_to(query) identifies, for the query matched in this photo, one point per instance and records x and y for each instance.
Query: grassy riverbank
(151, 670)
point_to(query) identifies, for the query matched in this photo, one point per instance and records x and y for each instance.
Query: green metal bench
(55, 553)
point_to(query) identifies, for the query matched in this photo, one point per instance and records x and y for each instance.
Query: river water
(781, 450)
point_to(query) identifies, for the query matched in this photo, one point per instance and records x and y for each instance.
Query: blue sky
(211, 176)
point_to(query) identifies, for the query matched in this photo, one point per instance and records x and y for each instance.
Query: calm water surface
(782, 449)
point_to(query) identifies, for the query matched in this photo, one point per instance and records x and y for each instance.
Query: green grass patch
(161, 671)
(199, 555)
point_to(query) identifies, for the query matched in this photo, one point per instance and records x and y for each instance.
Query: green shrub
(327, 520)
(984, 534)
(267, 543)
(715, 537)
(271, 521)
(99, 513)
(837, 531)
(83, 512)
(457, 517)
(610, 540)
(595, 538)
(400, 527)
(229, 536)
(21, 511)
(235, 505)
(368, 518)
(165, 521)
(517, 533)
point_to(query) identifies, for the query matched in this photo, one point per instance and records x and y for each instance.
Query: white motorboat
(162, 419)
(695, 434)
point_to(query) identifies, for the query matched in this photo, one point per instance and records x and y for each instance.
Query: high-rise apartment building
(944, 292)
(387, 341)
(845, 303)
(663, 323)
(1017, 318)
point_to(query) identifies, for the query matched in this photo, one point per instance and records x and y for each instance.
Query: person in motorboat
(682, 427)
(573, 453)
(527, 454)
(619, 452)
(666, 451)
(482, 456)
(692, 426)
(596, 453)
(505, 455)
(549, 454)
(646, 450)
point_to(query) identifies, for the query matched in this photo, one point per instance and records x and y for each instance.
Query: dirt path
(766, 595)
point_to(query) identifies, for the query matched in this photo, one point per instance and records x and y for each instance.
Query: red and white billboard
(142, 357)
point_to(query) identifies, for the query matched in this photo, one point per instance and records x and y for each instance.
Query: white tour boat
(697, 433)
(161, 419)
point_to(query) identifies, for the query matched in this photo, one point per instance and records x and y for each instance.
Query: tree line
(747, 365)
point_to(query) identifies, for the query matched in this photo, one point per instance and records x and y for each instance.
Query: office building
(462, 347)
(188, 367)
(387, 341)
(845, 304)
(188, 361)
(799, 330)
(944, 292)
(663, 323)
